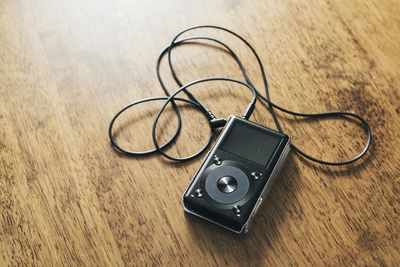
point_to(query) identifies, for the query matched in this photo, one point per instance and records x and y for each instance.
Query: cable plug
(217, 123)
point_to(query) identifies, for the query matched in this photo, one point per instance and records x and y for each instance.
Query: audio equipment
(236, 175)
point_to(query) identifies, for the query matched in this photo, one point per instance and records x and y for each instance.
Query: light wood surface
(67, 198)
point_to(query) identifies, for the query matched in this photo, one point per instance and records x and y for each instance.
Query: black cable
(247, 113)
(214, 122)
(147, 152)
(194, 102)
(272, 105)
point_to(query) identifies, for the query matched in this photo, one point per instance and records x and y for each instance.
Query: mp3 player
(236, 174)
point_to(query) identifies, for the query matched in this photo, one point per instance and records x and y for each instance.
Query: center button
(227, 184)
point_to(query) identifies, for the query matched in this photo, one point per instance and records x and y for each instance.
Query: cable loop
(215, 122)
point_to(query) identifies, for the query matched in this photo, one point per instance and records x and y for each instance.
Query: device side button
(217, 160)
(256, 175)
(199, 193)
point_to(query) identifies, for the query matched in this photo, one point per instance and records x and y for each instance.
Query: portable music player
(236, 175)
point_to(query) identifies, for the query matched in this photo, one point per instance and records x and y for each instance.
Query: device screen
(250, 142)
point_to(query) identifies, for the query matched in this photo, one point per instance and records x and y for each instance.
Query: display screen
(251, 143)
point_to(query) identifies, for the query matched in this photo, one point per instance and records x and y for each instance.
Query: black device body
(236, 174)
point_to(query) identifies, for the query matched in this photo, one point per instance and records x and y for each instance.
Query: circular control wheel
(227, 184)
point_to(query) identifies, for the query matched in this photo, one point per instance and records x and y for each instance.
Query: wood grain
(68, 199)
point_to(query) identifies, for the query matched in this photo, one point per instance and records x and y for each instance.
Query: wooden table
(67, 198)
